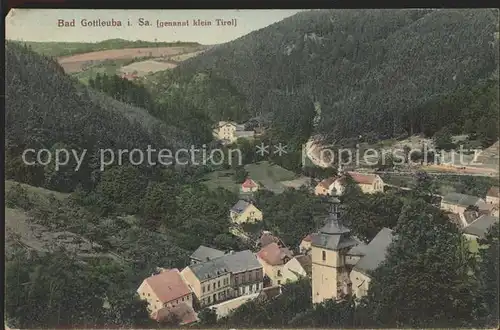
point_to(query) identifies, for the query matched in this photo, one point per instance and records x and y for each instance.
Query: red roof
(274, 255)
(326, 183)
(308, 238)
(183, 312)
(168, 285)
(362, 178)
(493, 192)
(249, 183)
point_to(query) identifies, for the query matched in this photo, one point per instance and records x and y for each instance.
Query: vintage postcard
(327, 168)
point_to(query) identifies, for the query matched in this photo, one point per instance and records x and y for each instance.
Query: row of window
(215, 297)
(248, 276)
(206, 288)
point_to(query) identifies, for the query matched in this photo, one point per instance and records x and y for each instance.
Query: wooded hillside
(372, 71)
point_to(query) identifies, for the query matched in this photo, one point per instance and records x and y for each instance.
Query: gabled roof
(358, 250)
(493, 192)
(362, 178)
(234, 262)
(168, 285)
(461, 199)
(205, 253)
(241, 261)
(274, 255)
(267, 238)
(249, 183)
(326, 183)
(240, 206)
(306, 262)
(481, 225)
(224, 123)
(375, 252)
(209, 269)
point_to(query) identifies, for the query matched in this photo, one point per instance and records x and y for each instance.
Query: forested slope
(371, 71)
(45, 108)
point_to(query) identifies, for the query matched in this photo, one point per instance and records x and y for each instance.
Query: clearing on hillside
(79, 62)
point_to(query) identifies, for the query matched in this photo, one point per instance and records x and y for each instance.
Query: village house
(478, 228)
(228, 132)
(492, 197)
(165, 291)
(374, 255)
(329, 247)
(205, 253)
(232, 275)
(246, 272)
(210, 281)
(330, 186)
(249, 186)
(298, 267)
(244, 211)
(458, 203)
(273, 258)
(368, 183)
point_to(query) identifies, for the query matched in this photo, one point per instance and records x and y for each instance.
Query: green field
(266, 174)
(71, 48)
(109, 67)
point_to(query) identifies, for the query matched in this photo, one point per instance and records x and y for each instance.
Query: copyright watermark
(356, 157)
(108, 157)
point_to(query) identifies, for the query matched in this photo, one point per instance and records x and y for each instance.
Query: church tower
(328, 250)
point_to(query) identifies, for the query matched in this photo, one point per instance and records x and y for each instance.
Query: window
(218, 284)
(279, 282)
(203, 289)
(214, 285)
(149, 295)
(208, 299)
(279, 272)
(182, 298)
(324, 255)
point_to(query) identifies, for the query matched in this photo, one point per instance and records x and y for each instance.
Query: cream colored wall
(492, 200)
(226, 131)
(247, 216)
(452, 208)
(146, 293)
(293, 269)
(210, 291)
(273, 272)
(324, 274)
(192, 281)
(244, 189)
(319, 190)
(376, 186)
(360, 283)
(304, 246)
(154, 304)
(338, 186)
